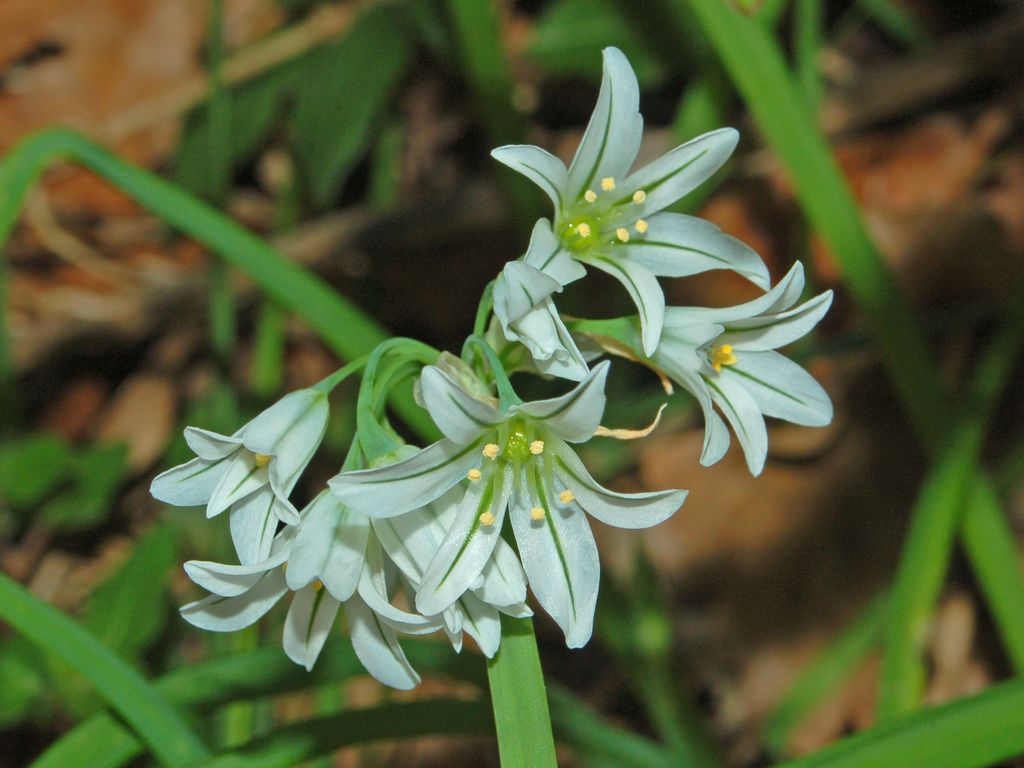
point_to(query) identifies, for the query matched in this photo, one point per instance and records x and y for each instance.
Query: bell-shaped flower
(526, 311)
(331, 563)
(726, 357)
(516, 461)
(614, 220)
(251, 472)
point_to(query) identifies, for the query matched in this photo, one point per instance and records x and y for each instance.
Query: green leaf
(569, 34)
(96, 474)
(31, 468)
(124, 689)
(128, 610)
(343, 90)
(24, 681)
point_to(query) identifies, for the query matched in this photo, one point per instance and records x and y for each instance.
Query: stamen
(262, 459)
(487, 518)
(639, 196)
(722, 355)
(641, 226)
(318, 585)
(491, 450)
(590, 195)
(537, 513)
(623, 234)
(473, 474)
(537, 447)
(566, 496)
(583, 229)
(607, 183)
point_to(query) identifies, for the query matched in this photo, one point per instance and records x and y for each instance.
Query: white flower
(514, 460)
(330, 561)
(526, 311)
(614, 220)
(725, 357)
(251, 472)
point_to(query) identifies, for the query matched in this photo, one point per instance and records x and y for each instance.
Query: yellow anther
(473, 474)
(607, 183)
(537, 513)
(623, 234)
(487, 518)
(262, 459)
(641, 226)
(583, 229)
(566, 496)
(639, 196)
(590, 195)
(318, 585)
(722, 355)
(491, 450)
(537, 447)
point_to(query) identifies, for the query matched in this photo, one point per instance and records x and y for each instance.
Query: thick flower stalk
(518, 461)
(251, 472)
(614, 220)
(726, 357)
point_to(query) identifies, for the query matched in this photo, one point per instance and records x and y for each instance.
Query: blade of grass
(972, 732)
(208, 685)
(127, 692)
(828, 669)
(519, 699)
(340, 324)
(758, 69)
(810, 28)
(295, 744)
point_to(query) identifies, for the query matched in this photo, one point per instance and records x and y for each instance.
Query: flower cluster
(409, 540)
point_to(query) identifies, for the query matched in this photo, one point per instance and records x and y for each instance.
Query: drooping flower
(518, 461)
(330, 562)
(726, 357)
(614, 220)
(251, 472)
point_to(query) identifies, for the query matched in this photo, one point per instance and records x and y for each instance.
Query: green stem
(519, 699)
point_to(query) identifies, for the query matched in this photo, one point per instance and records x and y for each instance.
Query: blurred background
(355, 137)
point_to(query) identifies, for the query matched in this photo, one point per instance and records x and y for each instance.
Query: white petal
(575, 415)
(542, 168)
(745, 418)
(241, 477)
(377, 647)
(459, 415)
(227, 614)
(546, 253)
(482, 623)
(561, 563)
(211, 445)
(373, 590)
(504, 581)
(645, 291)
(678, 246)
(189, 484)
(411, 540)
(231, 580)
(330, 545)
(308, 624)
(780, 298)
(677, 173)
(519, 289)
(253, 524)
(402, 487)
(777, 330)
(781, 388)
(623, 510)
(683, 369)
(552, 347)
(612, 139)
(468, 544)
(290, 431)
(519, 610)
